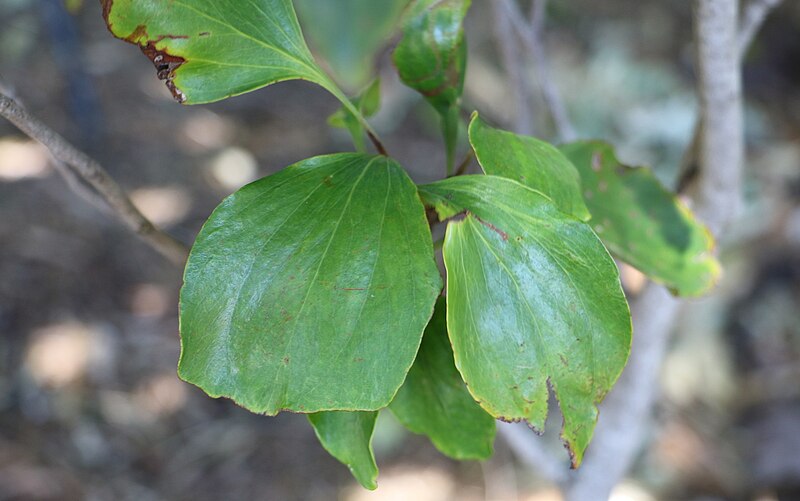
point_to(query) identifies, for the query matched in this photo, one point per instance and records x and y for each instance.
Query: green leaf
(644, 224)
(347, 436)
(532, 298)
(435, 402)
(367, 102)
(309, 289)
(530, 161)
(349, 33)
(208, 50)
(431, 58)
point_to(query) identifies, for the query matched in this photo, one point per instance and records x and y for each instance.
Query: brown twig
(91, 172)
(377, 143)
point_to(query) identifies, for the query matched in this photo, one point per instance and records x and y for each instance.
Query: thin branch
(537, 14)
(79, 186)
(721, 145)
(528, 448)
(95, 176)
(530, 35)
(377, 143)
(512, 61)
(753, 17)
(625, 413)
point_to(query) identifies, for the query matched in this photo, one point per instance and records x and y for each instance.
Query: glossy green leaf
(349, 33)
(347, 436)
(434, 400)
(642, 223)
(533, 298)
(367, 102)
(532, 162)
(431, 58)
(309, 289)
(208, 50)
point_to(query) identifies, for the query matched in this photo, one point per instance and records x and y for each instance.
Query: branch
(530, 35)
(627, 411)
(509, 52)
(753, 18)
(93, 174)
(719, 88)
(529, 449)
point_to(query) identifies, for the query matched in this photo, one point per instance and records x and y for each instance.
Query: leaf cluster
(315, 290)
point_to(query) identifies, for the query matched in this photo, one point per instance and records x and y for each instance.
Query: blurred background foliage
(90, 406)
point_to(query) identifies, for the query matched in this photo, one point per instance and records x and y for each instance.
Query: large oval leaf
(309, 290)
(532, 162)
(207, 50)
(532, 298)
(347, 436)
(435, 402)
(642, 223)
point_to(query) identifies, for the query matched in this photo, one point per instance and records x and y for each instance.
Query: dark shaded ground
(90, 407)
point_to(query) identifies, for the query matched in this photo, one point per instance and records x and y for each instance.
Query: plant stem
(328, 84)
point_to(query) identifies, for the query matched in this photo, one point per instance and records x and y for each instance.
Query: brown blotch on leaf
(106, 5)
(494, 228)
(166, 64)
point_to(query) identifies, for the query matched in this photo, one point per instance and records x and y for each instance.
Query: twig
(625, 413)
(509, 52)
(79, 186)
(530, 35)
(528, 448)
(753, 17)
(377, 143)
(95, 176)
(721, 144)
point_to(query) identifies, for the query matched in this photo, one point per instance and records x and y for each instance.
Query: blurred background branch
(77, 167)
(719, 140)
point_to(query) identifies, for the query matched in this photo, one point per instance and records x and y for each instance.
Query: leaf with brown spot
(642, 223)
(224, 47)
(517, 309)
